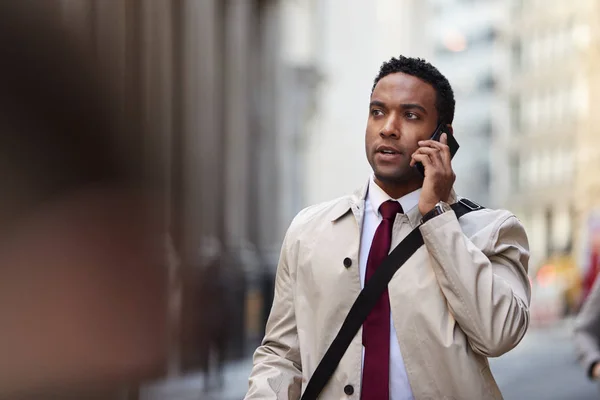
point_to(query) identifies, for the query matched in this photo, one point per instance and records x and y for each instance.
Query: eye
(376, 112)
(411, 115)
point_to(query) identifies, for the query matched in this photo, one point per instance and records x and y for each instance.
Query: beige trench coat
(450, 309)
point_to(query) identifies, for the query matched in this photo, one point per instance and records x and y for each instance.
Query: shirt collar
(377, 196)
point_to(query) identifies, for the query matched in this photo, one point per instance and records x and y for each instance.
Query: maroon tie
(376, 328)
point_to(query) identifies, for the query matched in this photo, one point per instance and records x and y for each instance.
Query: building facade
(469, 52)
(206, 80)
(543, 161)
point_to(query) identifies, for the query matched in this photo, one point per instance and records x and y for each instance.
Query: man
(461, 298)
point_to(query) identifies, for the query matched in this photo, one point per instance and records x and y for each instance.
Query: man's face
(401, 113)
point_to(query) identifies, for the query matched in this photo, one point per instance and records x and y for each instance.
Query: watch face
(444, 206)
(439, 208)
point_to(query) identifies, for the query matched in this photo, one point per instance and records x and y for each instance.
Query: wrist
(440, 208)
(424, 209)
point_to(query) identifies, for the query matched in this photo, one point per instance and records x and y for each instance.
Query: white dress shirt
(399, 385)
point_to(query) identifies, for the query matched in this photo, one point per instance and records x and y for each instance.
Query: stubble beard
(402, 177)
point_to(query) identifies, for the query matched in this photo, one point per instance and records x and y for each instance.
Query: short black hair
(423, 70)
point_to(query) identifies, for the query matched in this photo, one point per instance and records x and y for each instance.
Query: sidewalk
(190, 387)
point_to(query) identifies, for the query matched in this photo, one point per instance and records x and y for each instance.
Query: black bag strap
(367, 299)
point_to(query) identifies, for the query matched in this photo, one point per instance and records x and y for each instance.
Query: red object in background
(591, 274)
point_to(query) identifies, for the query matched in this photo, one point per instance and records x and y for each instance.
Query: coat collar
(356, 203)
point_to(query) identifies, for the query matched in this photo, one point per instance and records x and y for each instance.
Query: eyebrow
(405, 106)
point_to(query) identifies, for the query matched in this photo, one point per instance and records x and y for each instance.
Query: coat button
(347, 262)
(349, 390)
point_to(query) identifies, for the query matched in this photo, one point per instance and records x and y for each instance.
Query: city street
(544, 367)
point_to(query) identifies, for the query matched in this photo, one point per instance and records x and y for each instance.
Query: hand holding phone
(439, 177)
(437, 134)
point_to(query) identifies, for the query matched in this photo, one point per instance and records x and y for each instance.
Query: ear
(449, 130)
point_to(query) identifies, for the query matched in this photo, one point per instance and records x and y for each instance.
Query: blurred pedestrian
(587, 333)
(592, 272)
(214, 310)
(461, 298)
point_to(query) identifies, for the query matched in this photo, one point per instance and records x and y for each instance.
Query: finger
(442, 147)
(428, 150)
(445, 149)
(422, 158)
(433, 144)
(434, 154)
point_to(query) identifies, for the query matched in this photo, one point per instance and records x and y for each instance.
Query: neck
(398, 189)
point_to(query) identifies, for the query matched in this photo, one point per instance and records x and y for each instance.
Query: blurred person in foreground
(587, 333)
(82, 302)
(461, 298)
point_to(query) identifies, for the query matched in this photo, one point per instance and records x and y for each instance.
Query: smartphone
(452, 144)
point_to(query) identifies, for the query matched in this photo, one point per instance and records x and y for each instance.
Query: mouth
(387, 152)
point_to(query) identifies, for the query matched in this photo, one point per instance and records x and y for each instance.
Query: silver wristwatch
(440, 208)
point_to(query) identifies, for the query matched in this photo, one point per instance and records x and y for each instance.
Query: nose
(390, 129)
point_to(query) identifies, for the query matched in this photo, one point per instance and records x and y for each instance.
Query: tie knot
(389, 209)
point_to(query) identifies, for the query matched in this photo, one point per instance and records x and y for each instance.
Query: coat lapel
(355, 203)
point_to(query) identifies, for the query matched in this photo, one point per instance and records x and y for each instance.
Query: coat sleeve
(487, 290)
(277, 370)
(587, 330)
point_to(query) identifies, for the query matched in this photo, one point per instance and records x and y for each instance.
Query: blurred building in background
(548, 152)
(302, 25)
(211, 81)
(470, 52)
(351, 40)
(586, 37)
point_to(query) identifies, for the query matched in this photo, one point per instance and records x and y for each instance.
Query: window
(558, 166)
(489, 35)
(537, 234)
(532, 110)
(516, 177)
(487, 83)
(547, 45)
(533, 170)
(486, 128)
(569, 164)
(581, 34)
(561, 228)
(559, 106)
(546, 170)
(544, 108)
(562, 41)
(555, 105)
(515, 113)
(525, 57)
(485, 176)
(517, 7)
(579, 98)
(555, 43)
(534, 50)
(516, 49)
